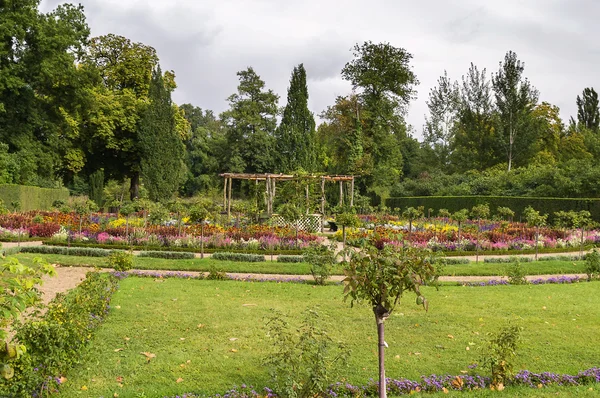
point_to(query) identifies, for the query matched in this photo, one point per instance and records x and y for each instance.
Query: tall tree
(588, 113)
(124, 69)
(475, 143)
(205, 149)
(251, 122)
(385, 83)
(162, 150)
(515, 99)
(443, 113)
(295, 136)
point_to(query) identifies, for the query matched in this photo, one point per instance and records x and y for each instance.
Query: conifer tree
(295, 136)
(161, 146)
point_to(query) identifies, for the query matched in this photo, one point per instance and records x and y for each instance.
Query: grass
(196, 321)
(268, 267)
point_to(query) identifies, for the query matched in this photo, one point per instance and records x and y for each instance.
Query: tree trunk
(134, 187)
(80, 223)
(202, 239)
(581, 245)
(381, 351)
(537, 237)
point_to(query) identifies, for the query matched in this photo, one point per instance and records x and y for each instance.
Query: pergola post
(225, 195)
(229, 200)
(268, 187)
(307, 200)
(341, 193)
(352, 192)
(322, 202)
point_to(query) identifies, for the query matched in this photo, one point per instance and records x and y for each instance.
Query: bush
(455, 261)
(67, 251)
(305, 361)
(121, 260)
(322, 259)
(289, 259)
(54, 343)
(168, 255)
(512, 259)
(592, 265)
(216, 275)
(516, 275)
(499, 355)
(227, 256)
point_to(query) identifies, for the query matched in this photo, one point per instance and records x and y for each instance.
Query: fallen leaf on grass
(83, 388)
(182, 338)
(233, 350)
(233, 339)
(148, 355)
(179, 380)
(119, 349)
(120, 379)
(450, 336)
(200, 325)
(248, 305)
(62, 379)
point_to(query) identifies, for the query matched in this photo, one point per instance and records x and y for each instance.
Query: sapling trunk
(581, 245)
(380, 315)
(537, 237)
(202, 239)
(127, 228)
(80, 223)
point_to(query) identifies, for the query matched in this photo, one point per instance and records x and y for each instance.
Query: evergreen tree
(251, 122)
(295, 136)
(588, 113)
(162, 151)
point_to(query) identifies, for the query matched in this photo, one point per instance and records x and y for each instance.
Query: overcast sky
(207, 41)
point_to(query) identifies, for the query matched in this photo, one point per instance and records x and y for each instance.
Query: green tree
(515, 99)
(112, 121)
(295, 136)
(443, 114)
(162, 151)
(385, 82)
(250, 124)
(380, 278)
(475, 144)
(536, 220)
(588, 113)
(96, 192)
(460, 217)
(411, 214)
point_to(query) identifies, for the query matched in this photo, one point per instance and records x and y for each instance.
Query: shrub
(168, 255)
(499, 354)
(289, 259)
(67, 251)
(304, 362)
(592, 265)
(121, 260)
(54, 343)
(455, 261)
(516, 274)
(251, 258)
(216, 275)
(322, 259)
(503, 260)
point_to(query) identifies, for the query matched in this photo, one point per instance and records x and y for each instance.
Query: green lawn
(197, 321)
(145, 263)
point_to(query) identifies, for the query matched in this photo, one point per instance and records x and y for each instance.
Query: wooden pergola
(271, 187)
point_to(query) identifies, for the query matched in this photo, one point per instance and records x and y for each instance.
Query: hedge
(168, 255)
(32, 198)
(251, 258)
(67, 251)
(515, 203)
(168, 248)
(290, 259)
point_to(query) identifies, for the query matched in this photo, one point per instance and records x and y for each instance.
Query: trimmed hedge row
(68, 251)
(290, 259)
(32, 198)
(517, 204)
(227, 256)
(169, 248)
(168, 255)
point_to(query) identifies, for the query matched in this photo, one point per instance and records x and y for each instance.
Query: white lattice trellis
(308, 222)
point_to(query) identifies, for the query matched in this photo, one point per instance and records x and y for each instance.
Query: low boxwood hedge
(168, 255)
(228, 256)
